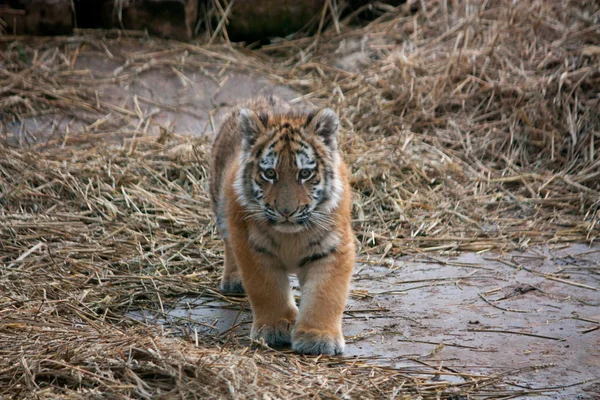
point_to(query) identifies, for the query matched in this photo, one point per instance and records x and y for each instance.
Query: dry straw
(469, 126)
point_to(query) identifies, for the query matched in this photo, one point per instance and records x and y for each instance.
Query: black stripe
(328, 175)
(325, 196)
(315, 257)
(264, 118)
(317, 241)
(259, 150)
(318, 195)
(247, 181)
(274, 242)
(260, 249)
(302, 152)
(310, 116)
(257, 194)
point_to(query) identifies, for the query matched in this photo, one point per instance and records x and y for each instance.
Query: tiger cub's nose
(285, 211)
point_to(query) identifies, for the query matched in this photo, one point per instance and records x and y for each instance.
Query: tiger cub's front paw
(314, 341)
(231, 284)
(274, 334)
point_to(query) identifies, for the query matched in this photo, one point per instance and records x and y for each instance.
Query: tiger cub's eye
(305, 173)
(270, 173)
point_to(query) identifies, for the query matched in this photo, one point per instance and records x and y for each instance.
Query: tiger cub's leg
(273, 306)
(325, 287)
(231, 282)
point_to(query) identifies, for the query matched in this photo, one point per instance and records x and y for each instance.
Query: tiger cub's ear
(325, 123)
(251, 125)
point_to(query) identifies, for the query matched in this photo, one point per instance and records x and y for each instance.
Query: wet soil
(477, 313)
(481, 313)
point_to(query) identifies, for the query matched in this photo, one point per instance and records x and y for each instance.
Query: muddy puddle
(478, 313)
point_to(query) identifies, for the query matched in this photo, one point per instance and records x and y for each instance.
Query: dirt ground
(186, 105)
(481, 313)
(477, 312)
(474, 312)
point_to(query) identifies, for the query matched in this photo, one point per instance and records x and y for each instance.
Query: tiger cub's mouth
(289, 224)
(289, 227)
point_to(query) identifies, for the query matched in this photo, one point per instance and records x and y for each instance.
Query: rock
(173, 19)
(37, 17)
(252, 20)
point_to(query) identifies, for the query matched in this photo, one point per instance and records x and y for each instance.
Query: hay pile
(471, 127)
(468, 127)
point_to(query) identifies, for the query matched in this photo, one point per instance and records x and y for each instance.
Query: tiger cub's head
(288, 174)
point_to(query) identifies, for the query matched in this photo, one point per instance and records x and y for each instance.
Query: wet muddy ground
(477, 313)
(480, 313)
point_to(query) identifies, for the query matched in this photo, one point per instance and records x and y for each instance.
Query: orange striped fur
(281, 196)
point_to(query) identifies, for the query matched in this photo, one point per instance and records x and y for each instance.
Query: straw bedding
(468, 126)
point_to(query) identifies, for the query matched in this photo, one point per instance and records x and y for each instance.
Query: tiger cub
(281, 196)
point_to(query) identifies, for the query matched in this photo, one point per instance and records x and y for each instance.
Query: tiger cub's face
(288, 174)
